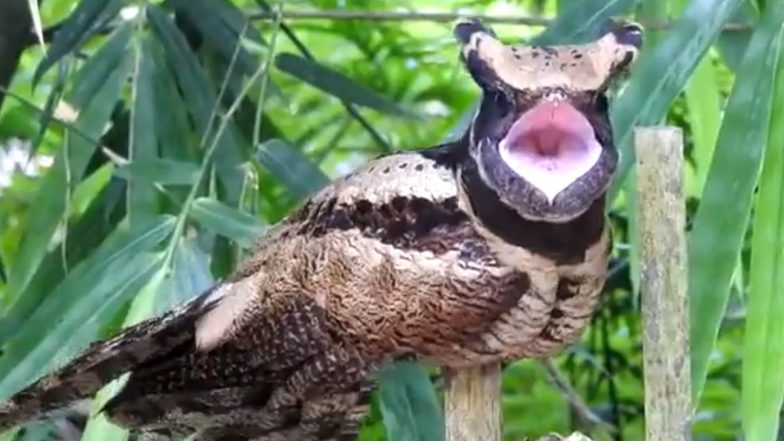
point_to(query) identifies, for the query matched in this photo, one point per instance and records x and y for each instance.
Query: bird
(486, 249)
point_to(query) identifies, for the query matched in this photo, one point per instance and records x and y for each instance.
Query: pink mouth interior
(551, 146)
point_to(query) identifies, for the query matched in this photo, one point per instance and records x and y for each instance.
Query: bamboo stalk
(472, 403)
(661, 218)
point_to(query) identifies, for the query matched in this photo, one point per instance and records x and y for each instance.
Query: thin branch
(560, 381)
(442, 17)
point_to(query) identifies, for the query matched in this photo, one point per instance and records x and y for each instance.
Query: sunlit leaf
(719, 226)
(763, 348)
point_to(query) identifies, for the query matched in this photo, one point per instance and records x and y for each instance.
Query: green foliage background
(170, 133)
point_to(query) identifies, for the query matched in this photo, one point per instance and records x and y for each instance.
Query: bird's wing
(257, 356)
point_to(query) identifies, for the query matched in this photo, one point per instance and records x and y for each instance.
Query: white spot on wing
(217, 325)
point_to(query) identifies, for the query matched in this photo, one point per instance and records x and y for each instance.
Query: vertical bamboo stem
(473, 403)
(661, 219)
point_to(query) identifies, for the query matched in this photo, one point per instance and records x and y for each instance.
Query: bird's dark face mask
(541, 138)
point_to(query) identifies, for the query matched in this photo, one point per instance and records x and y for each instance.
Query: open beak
(551, 146)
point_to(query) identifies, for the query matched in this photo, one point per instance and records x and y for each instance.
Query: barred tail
(102, 362)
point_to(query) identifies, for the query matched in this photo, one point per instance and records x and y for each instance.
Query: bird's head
(541, 137)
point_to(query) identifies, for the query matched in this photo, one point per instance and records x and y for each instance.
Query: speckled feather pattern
(388, 262)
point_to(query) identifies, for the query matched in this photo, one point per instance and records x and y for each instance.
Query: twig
(662, 218)
(472, 400)
(574, 398)
(440, 17)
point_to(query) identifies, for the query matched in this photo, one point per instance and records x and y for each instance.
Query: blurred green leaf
(291, 168)
(732, 177)
(86, 19)
(159, 170)
(98, 427)
(142, 142)
(661, 73)
(336, 84)
(732, 45)
(71, 316)
(70, 163)
(236, 225)
(409, 404)
(51, 101)
(763, 349)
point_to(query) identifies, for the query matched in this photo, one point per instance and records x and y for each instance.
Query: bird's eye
(600, 102)
(502, 102)
(631, 34)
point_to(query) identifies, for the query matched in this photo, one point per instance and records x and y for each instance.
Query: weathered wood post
(661, 217)
(472, 402)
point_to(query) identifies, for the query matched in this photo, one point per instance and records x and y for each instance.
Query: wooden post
(472, 403)
(663, 280)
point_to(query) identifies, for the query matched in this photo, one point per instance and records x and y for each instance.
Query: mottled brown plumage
(444, 255)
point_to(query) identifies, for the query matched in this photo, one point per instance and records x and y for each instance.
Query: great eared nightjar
(490, 248)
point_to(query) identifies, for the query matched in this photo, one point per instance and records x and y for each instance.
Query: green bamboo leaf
(703, 99)
(98, 427)
(291, 168)
(159, 170)
(71, 316)
(409, 405)
(173, 129)
(70, 163)
(662, 72)
(88, 17)
(89, 79)
(229, 222)
(190, 275)
(75, 327)
(221, 24)
(336, 84)
(704, 103)
(84, 234)
(189, 74)
(732, 45)
(200, 100)
(51, 100)
(580, 21)
(763, 347)
(732, 177)
(142, 142)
